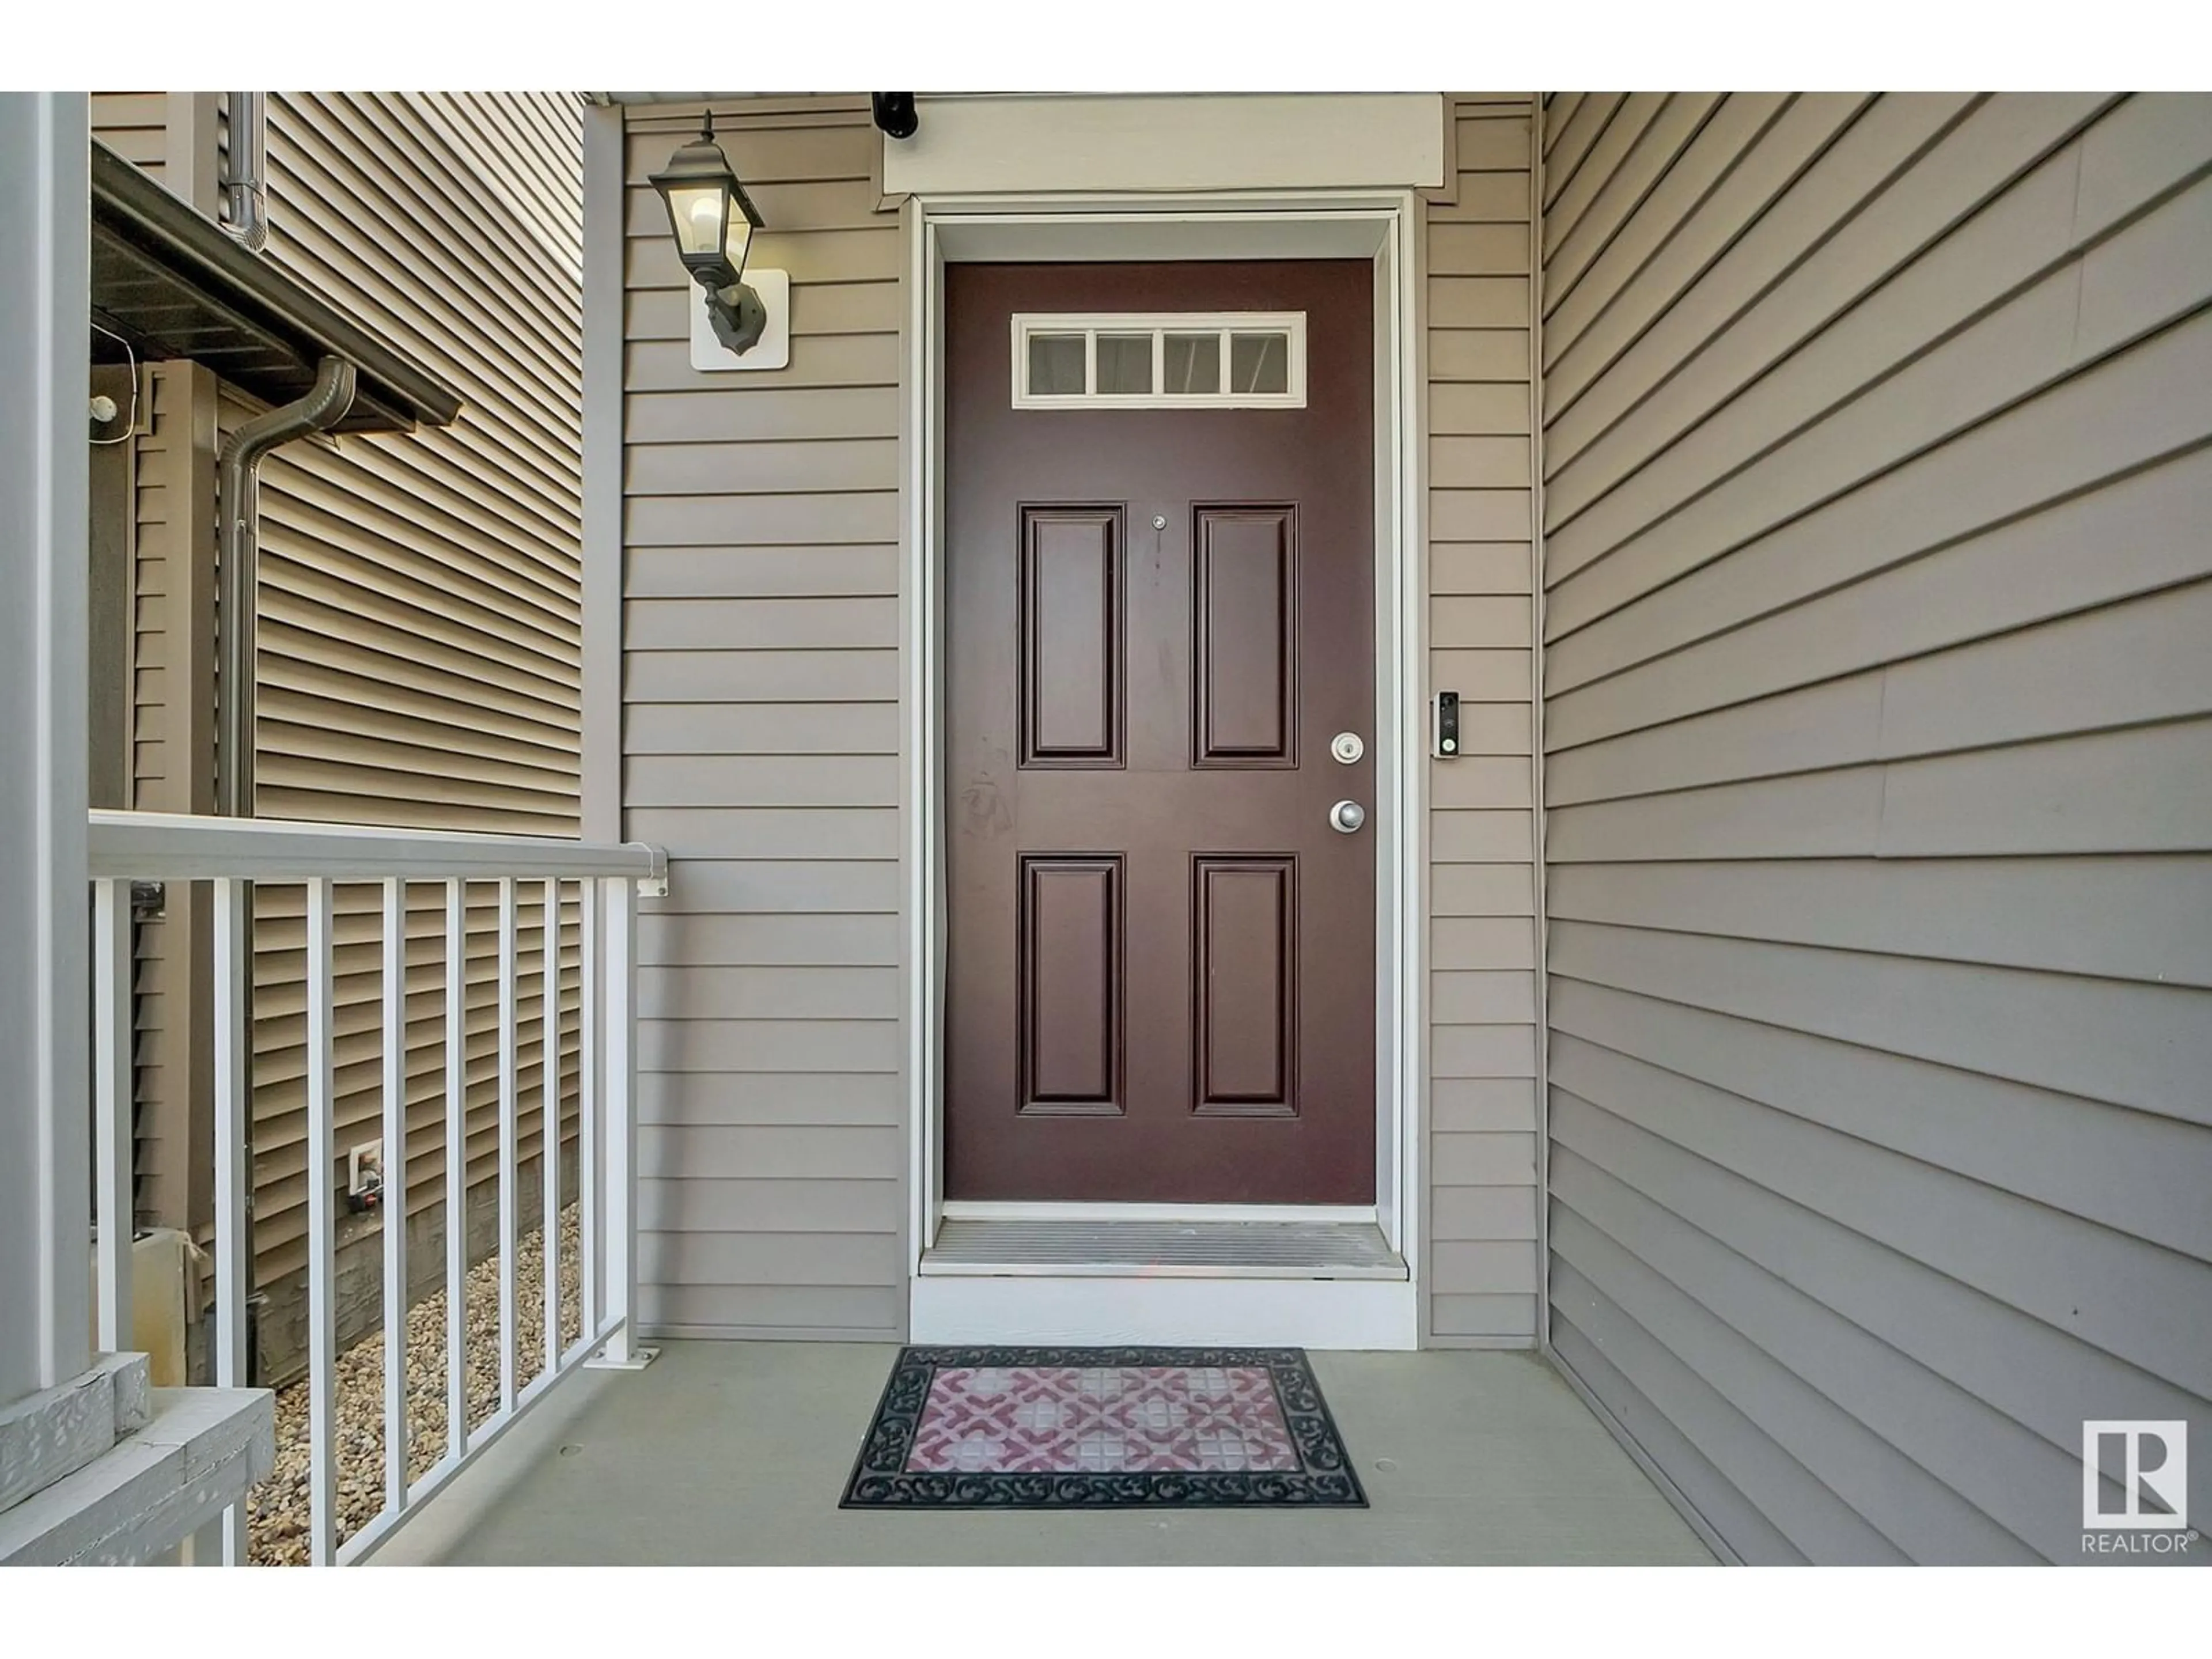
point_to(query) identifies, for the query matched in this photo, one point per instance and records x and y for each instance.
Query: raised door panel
(1244, 611)
(1072, 995)
(1071, 637)
(1245, 927)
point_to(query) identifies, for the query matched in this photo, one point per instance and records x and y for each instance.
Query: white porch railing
(232, 853)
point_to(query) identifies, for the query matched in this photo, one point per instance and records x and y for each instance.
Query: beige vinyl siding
(135, 125)
(1878, 726)
(419, 614)
(761, 524)
(1481, 1270)
(172, 715)
(419, 611)
(280, 1054)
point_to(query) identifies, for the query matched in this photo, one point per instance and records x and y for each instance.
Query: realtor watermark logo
(2149, 1463)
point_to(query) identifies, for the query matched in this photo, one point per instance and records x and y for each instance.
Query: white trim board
(1170, 142)
(1308, 223)
(1042, 1311)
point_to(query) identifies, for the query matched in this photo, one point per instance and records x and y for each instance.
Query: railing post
(114, 1128)
(234, 1056)
(619, 1031)
(392, 1201)
(322, 1233)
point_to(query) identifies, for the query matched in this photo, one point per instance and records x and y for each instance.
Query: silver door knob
(1346, 817)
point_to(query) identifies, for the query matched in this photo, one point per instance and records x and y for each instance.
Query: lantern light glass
(711, 216)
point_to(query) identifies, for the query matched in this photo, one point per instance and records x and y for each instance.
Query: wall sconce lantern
(714, 220)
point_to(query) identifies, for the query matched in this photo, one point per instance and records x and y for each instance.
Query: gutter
(233, 301)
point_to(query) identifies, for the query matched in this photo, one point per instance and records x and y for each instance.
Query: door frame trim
(1381, 225)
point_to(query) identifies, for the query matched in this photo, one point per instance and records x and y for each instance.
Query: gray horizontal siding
(1480, 1270)
(760, 744)
(1877, 730)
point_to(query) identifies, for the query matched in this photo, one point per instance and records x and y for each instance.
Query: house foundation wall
(282, 1322)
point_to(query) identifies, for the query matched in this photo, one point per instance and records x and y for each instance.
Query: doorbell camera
(1448, 725)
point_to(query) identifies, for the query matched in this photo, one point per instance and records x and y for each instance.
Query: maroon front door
(1161, 953)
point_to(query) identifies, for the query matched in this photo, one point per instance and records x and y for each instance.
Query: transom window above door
(1160, 359)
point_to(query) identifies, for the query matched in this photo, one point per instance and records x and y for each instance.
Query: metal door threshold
(1163, 1250)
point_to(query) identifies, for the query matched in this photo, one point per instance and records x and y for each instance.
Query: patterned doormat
(1103, 1428)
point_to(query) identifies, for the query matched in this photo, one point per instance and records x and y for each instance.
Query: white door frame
(1378, 224)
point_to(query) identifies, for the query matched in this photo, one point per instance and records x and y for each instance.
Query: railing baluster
(621, 895)
(393, 1199)
(233, 1055)
(549, 1232)
(456, 1169)
(509, 1133)
(322, 1233)
(589, 1003)
(116, 1208)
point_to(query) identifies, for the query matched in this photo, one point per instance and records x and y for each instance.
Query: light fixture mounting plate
(772, 350)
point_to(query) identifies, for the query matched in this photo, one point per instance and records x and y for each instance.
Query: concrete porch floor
(735, 1453)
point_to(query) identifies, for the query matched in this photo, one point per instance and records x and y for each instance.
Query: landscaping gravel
(279, 1505)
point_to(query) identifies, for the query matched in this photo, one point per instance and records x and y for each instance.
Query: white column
(46, 1157)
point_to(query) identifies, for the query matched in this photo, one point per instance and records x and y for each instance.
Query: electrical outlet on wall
(365, 1175)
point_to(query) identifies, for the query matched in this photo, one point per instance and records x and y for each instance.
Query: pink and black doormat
(1103, 1428)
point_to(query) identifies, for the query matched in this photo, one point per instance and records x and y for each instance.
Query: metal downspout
(238, 555)
(245, 175)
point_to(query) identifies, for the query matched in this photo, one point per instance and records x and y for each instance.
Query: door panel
(1072, 637)
(1246, 637)
(1070, 968)
(1160, 956)
(1245, 991)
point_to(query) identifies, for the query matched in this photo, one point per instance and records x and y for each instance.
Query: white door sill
(1165, 1249)
(1037, 1310)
